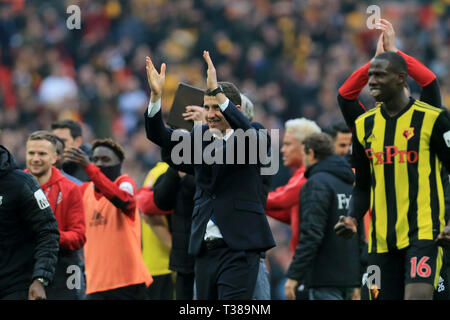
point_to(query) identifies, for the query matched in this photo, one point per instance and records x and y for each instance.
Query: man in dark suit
(229, 228)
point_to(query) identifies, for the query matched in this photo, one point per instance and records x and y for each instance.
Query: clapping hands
(155, 79)
(387, 36)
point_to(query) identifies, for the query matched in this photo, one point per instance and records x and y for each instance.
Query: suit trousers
(225, 274)
(184, 286)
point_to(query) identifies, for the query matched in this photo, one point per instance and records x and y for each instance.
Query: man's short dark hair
(396, 61)
(44, 135)
(336, 127)
(232, 92)
(111, 144)
(320, 143)
(73, 126)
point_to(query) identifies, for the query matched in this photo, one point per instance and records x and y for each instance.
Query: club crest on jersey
(408, 133)
(371, 138)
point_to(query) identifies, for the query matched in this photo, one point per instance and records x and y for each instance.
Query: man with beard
(70, 132)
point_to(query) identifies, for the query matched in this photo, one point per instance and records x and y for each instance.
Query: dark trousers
(133, 292)
(63, 294)
(184, 286)
(225, 274)
(69, 279)
(18, 295)
(161, 288)
(331, 293)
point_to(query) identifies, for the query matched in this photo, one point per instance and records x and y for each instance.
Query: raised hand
(388, 35)
(380, 48)
(155, 80)
(77, 156)
(211, 80)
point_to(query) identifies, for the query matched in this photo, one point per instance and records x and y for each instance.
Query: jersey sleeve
(431, 94)
(351, 110)
(121, 193)
(425, 78)
(349, 92)
(440, 138)
(417, 70)
(360, 201)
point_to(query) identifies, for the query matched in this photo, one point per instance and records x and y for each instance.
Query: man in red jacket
(65, 200)
(282, 204)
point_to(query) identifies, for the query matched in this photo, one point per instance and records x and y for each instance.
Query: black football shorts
(389, 272)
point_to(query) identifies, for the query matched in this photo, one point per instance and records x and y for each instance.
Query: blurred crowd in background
(288, 56)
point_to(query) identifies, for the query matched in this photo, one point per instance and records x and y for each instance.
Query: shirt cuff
(153, 108)
(224, 105)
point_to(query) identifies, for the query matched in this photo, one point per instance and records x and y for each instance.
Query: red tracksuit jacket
(65, 200)
(282, 204)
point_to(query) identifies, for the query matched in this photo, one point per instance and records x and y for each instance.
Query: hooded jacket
(323, 259)
(28, 229)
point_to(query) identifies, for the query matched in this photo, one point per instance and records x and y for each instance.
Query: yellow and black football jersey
(400, 158)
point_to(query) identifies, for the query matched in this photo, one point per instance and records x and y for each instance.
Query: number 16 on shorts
(421, 269)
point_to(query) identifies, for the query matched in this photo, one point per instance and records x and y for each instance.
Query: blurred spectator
(341, 135)
(70, 132)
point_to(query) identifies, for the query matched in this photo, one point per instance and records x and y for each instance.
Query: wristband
(215, 91)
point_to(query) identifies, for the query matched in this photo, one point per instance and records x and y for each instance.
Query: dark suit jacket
(234, 193)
